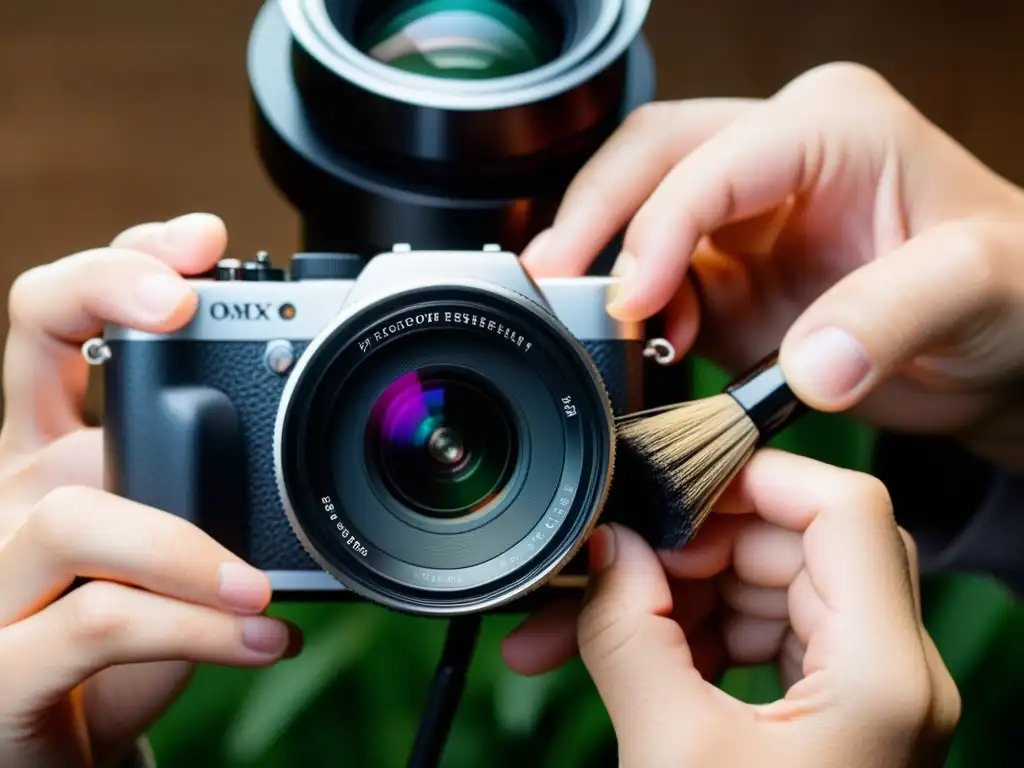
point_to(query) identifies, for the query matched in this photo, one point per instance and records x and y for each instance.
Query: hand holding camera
(85, 670)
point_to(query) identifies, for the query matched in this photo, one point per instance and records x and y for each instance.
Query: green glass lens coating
(457, 39)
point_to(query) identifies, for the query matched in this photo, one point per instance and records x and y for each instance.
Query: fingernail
(243, 589)
(829, 363)
(601, 549)
(624, 268)
(160, 296)
(295, 643)
(265, 636)
(188, 231)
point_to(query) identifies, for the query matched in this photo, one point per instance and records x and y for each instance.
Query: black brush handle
(764, 395)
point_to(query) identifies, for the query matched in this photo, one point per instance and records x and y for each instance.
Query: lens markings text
(347, 535)
(450, 318)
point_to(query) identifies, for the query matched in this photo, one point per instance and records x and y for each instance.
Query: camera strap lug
(96, 351)
(661, 350)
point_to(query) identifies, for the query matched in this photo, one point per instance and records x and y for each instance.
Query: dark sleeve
(964, 515)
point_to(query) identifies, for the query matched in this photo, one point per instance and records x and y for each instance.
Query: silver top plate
(299, 311)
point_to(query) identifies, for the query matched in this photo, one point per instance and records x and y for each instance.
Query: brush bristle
(672, 464)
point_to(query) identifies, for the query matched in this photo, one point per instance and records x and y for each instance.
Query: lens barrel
(381, 122)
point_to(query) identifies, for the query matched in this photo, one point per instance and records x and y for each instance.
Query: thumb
(636, 654)
(930, 291)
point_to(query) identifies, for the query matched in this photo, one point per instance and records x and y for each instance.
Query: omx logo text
(222, 310)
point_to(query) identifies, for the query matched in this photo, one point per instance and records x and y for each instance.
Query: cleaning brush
(673, 462)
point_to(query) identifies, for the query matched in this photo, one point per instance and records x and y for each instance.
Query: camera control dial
(326, 266)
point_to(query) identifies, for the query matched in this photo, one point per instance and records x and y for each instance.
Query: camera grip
(174, 445)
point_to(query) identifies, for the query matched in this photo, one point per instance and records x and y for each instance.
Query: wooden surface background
(114, 112)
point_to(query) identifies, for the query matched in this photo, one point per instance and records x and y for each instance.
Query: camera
(432, 431)
(428, 429)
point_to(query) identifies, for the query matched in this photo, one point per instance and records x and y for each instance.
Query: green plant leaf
(282, 692)
(754, 685)
(582, 733)
(520, 702)
(200, 715)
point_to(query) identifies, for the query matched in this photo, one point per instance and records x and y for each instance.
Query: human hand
(84, 673)
(803, 564)
(831, 220)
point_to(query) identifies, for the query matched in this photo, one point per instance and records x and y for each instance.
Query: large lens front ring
(584, 43)
(614, 28)
(506, 573)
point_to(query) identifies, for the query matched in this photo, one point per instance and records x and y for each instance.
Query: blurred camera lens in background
(446, 124)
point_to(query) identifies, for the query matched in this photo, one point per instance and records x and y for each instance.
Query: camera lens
(460, 39)
(442, 444)
(444, 450)
(442, 123)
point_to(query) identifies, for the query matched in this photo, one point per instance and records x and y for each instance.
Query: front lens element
(458, 39)
(441, 444)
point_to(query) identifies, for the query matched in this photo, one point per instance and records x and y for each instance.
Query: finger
(749, 640)
(944, 714)
(766, 555)
(54, 307)
(626, 636)
(708, 554)
(752, 165)
(753, 601)
(619, 177)
(913, 565)
(103, 624)
(807, 612)
(791, 660)
(857, 565)
(75, 459)
(763, 554)
(84, 532)
(852, 547)
(895, 309)
(682, 320)
(189, 244)
(122, 702)
(544, 641)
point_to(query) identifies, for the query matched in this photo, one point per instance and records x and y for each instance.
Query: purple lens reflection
(443, 445)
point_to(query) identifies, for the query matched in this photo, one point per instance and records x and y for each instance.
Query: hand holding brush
(673, 462)
(802, 563)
